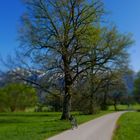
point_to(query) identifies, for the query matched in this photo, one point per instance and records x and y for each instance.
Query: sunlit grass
(128, 127)
(126, 107)
(36, 126)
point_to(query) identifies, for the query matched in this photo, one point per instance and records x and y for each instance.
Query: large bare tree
(55, 29)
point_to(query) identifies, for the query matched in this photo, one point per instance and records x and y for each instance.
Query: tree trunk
(66, 107)
(12, 108)
(115, 105)
(93, 107)
(92, 104)
(104, 104)
(68, 84)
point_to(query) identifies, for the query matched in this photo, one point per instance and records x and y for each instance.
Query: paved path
(99, 129)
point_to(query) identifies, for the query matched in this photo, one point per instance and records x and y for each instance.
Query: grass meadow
(36, 126)
(39, 126)
(128, 127)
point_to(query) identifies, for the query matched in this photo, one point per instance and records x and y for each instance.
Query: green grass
(136, 107)
(36, 126)
(128, 127)
(119, 107)
(39, 126)
(125, 107)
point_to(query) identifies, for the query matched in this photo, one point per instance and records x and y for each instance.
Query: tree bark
(115, 105)
(13, 108)
(104, 104)
(92, 106)
(66, 107)
(68, 84)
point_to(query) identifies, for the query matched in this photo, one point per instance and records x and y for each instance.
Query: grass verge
(36, 126)
(128, 127)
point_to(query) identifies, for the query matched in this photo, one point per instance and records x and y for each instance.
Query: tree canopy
(17, 96)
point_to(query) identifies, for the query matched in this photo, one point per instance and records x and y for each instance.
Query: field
(128, 127)
(36, 126)
(39, 126)
(125, 107)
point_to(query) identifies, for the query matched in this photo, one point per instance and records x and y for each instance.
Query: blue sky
(124, 13)
(10, 12)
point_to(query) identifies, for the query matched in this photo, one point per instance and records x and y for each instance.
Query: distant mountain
(129, 82)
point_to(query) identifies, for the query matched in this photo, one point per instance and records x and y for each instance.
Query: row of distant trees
(70, 55)
(16, 95)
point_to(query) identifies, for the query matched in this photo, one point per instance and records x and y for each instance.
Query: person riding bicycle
(73, 122)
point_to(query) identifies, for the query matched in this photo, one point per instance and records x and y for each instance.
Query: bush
(17, 97)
